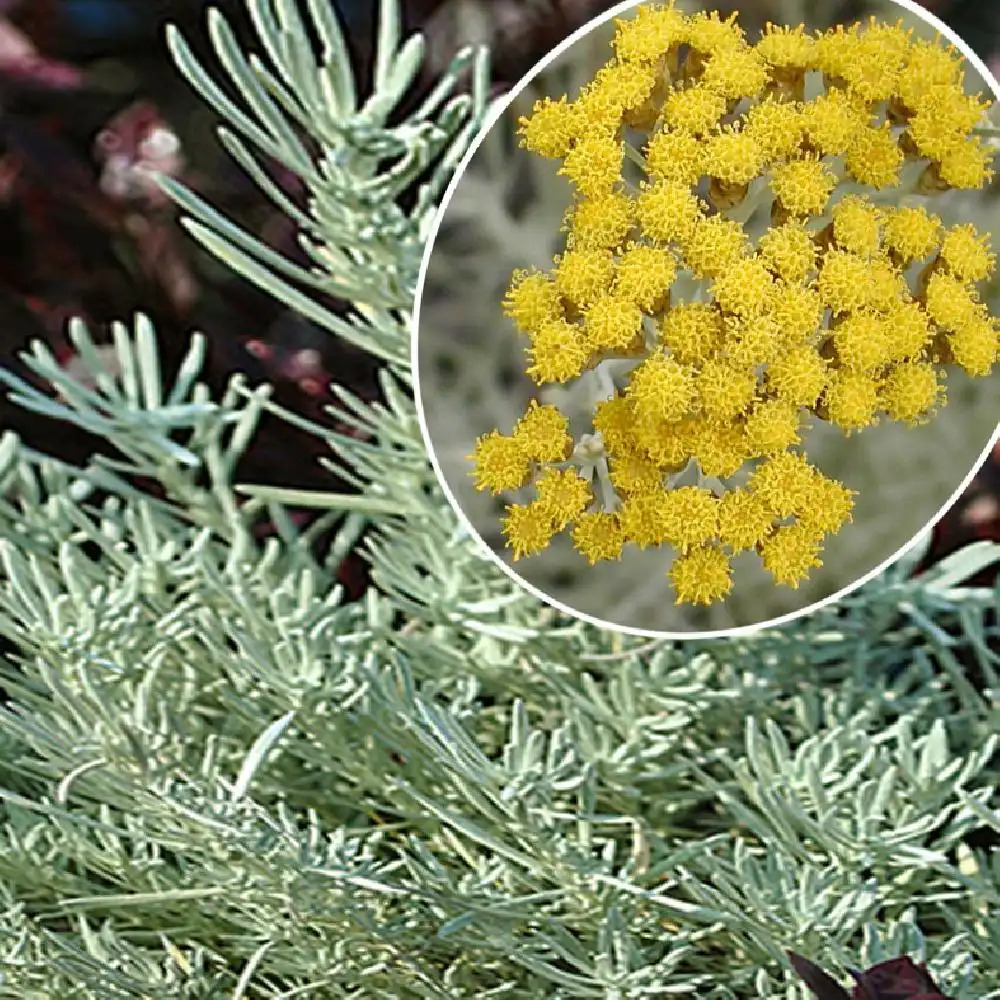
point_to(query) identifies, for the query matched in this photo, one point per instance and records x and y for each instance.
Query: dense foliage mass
(219, 780)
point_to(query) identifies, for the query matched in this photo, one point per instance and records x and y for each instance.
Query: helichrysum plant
(711, 347)
(219, 781)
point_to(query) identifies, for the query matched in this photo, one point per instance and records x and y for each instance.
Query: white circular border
(491, 119)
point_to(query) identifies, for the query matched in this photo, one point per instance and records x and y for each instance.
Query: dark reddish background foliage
(87, 93)
(895, 979)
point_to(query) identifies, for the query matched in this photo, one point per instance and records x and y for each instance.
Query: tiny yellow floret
(528, 529)
(967, 253)
(789, 250)
(668, 211)
(594, 164)
(911, 392)
(600, 223)
(851, 399)
(533, 299)
(911, 232)
(791, 552)
(803, 186)
(598, 536)
(543, 433)
(563, 494)
(552, 127)
(701, 576)
(644, 275)
(744, 520)
(661, 388)
(675, 156)
(501, 463)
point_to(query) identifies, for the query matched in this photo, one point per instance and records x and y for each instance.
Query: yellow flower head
(600, 223)
(724, 389)
(754, 340)
(857, 225)
(773, 426)
(783, 483)
(583, 275)
(612, 323)
(690, 516)
(967, 253)
(837, 51)
(828, 506)
(693, 331)
(624, 86)
(675, 156)
(543, 433)
(532, 300)
(791, 552)
(650, 34)
(551, 128)
(736, 73)
(720, 449)
(968, 166)
(661, 388)
(614, 421)
(643, 518)
(528, 529)
(695, 110)
(708, 34)
(974, 345)
(851, 399)
(502, 463)
(873, 75)
(594, 164)
(598, 536)
(745, 288)
(888, 285)
(951, 303)
(635, 473)
(668, 211)
(911, 232)
(803, 186)
(799, 375)
(797, 310)
(778, 128)
(563, 494)
(929, 67)
(832, 122)
(875, 157)
(644, 275)
(861, 342)
(911, 392)
(906, 331)
(733, 157)
(714, 245)
(668, 443)
(557, 353)
(701, 576)
(845, 281)
(789, 250)
(787, 48)
(744, 520)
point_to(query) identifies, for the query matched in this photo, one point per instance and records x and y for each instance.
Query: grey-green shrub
(219, 781)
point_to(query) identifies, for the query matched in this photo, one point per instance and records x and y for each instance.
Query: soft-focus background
(88, 98)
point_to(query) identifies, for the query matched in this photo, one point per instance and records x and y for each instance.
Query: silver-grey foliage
(219, 781)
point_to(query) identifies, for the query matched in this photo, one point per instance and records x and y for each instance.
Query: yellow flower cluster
(847, 309)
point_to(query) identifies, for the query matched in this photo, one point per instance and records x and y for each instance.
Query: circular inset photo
(707, 328)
